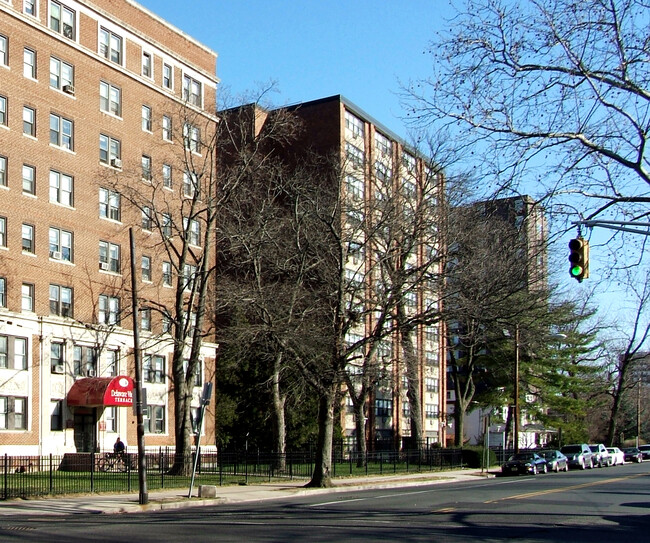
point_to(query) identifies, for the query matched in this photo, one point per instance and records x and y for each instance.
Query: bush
(473, 457)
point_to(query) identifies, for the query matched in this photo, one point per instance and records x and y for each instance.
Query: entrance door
(85, 430)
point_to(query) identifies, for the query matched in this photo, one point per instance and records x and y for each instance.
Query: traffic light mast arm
(622, 226)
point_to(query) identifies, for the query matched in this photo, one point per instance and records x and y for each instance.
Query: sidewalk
(176, 498)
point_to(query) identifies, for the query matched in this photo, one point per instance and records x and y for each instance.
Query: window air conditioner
(91, 373)
(56, 255)
(116, 163)
(58, 368)
(103, 266)
(68, 89)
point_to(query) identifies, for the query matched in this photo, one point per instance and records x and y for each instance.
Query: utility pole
(142, 466)
(516, 394)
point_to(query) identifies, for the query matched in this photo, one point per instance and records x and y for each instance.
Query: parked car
(632, 454)
(579, 455)
(600, 455)
(524, 462)
(555, 460)
(617, 456)
(645, 450)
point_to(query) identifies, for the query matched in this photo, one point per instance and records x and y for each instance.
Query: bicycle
(113, 462)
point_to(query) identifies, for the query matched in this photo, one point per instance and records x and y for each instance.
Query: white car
(617, 456)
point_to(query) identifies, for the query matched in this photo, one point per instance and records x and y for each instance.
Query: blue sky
(315, 48)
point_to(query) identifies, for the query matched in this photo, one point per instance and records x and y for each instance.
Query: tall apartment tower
(91, 93)
(376, 161)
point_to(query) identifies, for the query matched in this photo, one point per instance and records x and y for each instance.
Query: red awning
(100, 391)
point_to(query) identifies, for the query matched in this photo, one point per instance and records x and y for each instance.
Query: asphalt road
(600, 505)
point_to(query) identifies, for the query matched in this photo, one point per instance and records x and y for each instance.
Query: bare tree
(556, 93)
(176, 205)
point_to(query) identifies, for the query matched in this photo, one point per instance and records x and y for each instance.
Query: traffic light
(579, 258)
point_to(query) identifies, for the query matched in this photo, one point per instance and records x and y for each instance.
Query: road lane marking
(322, 504)
(573, 487)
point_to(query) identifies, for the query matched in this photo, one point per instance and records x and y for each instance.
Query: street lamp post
(516, 393)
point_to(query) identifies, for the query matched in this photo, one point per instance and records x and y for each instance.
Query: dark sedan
(555, 460)
(525, 462)
(632, 454)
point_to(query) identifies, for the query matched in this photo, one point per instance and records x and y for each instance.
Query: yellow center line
(574, 487)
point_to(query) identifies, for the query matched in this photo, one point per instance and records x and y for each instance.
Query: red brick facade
(148, 63)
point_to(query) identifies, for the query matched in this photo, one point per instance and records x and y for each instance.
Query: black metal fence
(30, 476)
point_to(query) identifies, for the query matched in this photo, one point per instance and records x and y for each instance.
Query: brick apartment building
(90, 97)
(372, 156)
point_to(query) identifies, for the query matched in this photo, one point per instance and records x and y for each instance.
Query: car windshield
(630, 449)
(644, 447)
(572, 449)
(547, 454)
(594, 448)
(522, 456)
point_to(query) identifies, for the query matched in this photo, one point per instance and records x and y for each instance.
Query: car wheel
(557, 467)
(534, 470)
(566, 467)
(591, 463)
(545, 469)
(583, 464)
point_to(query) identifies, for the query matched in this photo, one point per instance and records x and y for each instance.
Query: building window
(192, 138)
(13, 353)
(154, 419)
(110, 417)
(60, 301)
(27, 297)
(190, 182)
(354, 127)
(146, 168)
(109, 310)
(192, 231)
(110, 151)
(3, 171)
(109, 204)
(29, 63)
(13, 413)
(56, 415)
(61, 188)
(62, 20)
(168, 76)
(192, 91)
(110, 46)
(145, 319)
(3, 50)
(153, 368)
(383, 408)
(28, 238)
(60, 244)
(147, 65)
(146, 118)
(167, 273)
(147, 221)
(354, 187)
(112, 362)
(354, 155)
(61, 75)
(167, 176)
(3, 292)
(431, 384)
(431, 411)
(29, 121)
(166, 324)
(197, 380)
(110, 98)
(61, 130)
(29, 7)
(85, 361)
(3, 111)
(57, 358)
(3, 231)
(189, 276)
(109, 257)
(146, 268)
(166, 225)
(167, 128)
(29, 179)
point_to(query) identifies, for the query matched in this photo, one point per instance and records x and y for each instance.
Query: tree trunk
(459, 424)
(322, 476)
(413, 392)
(183, 427)
(360, 426)
(279, 401)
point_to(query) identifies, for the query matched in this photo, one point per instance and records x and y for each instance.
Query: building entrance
(85, 430)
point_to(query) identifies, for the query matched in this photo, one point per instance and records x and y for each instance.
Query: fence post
(6, 479)
(51, 489)
(92, 471)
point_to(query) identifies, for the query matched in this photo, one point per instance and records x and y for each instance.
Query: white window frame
(60, 244)
(29, 63)
(108, 310)
(61, 73)
(110, 255)
(29, 121)
(147, 64)
(165, 77)
(61, 132)
(192, 91)
(147, 117)
(110, 150)
(111, 46)
(66, 23)
(110, 204)
(110, 99)
(61, 188)
(29, 179)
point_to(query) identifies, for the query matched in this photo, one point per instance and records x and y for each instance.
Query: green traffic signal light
(579, 258)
